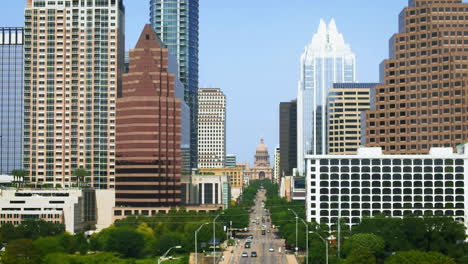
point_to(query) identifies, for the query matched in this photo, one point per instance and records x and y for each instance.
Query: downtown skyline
(221, 61)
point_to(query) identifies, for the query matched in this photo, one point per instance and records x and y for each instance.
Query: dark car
(253, 254)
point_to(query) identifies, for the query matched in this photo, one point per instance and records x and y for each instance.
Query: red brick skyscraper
(423, 99)
(148, 129)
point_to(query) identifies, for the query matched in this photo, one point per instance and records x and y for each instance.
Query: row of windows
(390, 162)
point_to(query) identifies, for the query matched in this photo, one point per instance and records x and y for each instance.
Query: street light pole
(167, 252)
(214, 238)
(307, 240)
(296, 247)
(326, 245)
(196, 241)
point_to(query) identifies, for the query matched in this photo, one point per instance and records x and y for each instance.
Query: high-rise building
(370, 183)
(176, 23)
(231, 161)
(150, 128)
(211, 128)
(74, 54)
(346, 103)
(288, 137)
(327, 59)
(422, 101)
(11, 99)
(277, 168)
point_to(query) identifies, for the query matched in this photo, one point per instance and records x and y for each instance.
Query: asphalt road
(260, 243)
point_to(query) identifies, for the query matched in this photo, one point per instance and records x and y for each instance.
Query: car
(268, 230)
(271, 249)
(253, 254)
(250, 237)
(245, 255)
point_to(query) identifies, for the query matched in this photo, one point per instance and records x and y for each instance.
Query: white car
(271, 249)
(245, 255)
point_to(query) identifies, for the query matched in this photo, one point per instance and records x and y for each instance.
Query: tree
(20, 251)
(18, 176)
(80, 175)
(125, 241)
(56, 258)
(418, 257)
(371, 242)
(360, 256)
(48, 245)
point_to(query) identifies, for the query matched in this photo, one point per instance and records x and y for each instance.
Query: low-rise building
(75, 208)
(371, 183)
(206, 190)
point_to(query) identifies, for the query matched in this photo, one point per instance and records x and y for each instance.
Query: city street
(261, 244)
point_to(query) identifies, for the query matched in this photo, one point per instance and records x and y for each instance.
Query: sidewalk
(227, 255)
(291, 259)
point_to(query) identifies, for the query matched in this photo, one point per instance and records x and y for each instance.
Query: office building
(371, 183)
(345, 104)
(422, 100)
(176, 23)
(235, 176)
(211, 128)
(288, 137)
(150, 128)
(74, 54)
(231, 161)
(75, 208)
(11, 99)
(276, 168)
(327, 59)
(206, 190)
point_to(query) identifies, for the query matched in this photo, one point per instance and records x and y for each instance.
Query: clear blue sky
(251, 50)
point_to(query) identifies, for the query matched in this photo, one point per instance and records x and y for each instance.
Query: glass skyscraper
(176, 23)
(327, 59)
(11, 99)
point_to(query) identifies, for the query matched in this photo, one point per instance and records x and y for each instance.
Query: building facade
(262, 168)
(149, 128)
(422, 100)
(211, 128)
(74, 208)
(74, 56)
(345, 104)
(231, 161)
(370, 183)
(276, 168)
(176, 23)
(206, 190)
(235, 175)
(327, 59)
(288, 137)
(11, 99)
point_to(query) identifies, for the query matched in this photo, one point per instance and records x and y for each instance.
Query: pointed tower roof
(327, 42)
(149, 39)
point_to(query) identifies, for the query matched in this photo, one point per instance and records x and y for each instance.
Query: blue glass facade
(11, 99)
(176, 23)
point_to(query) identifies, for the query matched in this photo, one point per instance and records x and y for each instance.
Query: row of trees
(381, 239)
(19, 175)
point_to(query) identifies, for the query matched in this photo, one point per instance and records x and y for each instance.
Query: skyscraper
(11, 99)
(327, 59)
(211, 128)
(176, 23)
(288, 137)
(346, 103)
(150, 127)
(422, 101)
(74, 54)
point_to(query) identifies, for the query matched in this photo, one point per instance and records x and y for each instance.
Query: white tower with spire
(327, 59)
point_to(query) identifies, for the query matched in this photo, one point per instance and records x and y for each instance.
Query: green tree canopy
(371, 242)
(127, 242)
(21, 251)
(360, 255)
(419, 257)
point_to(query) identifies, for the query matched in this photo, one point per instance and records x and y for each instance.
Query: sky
(251, 50)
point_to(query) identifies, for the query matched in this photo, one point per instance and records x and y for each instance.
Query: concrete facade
(371, 183)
